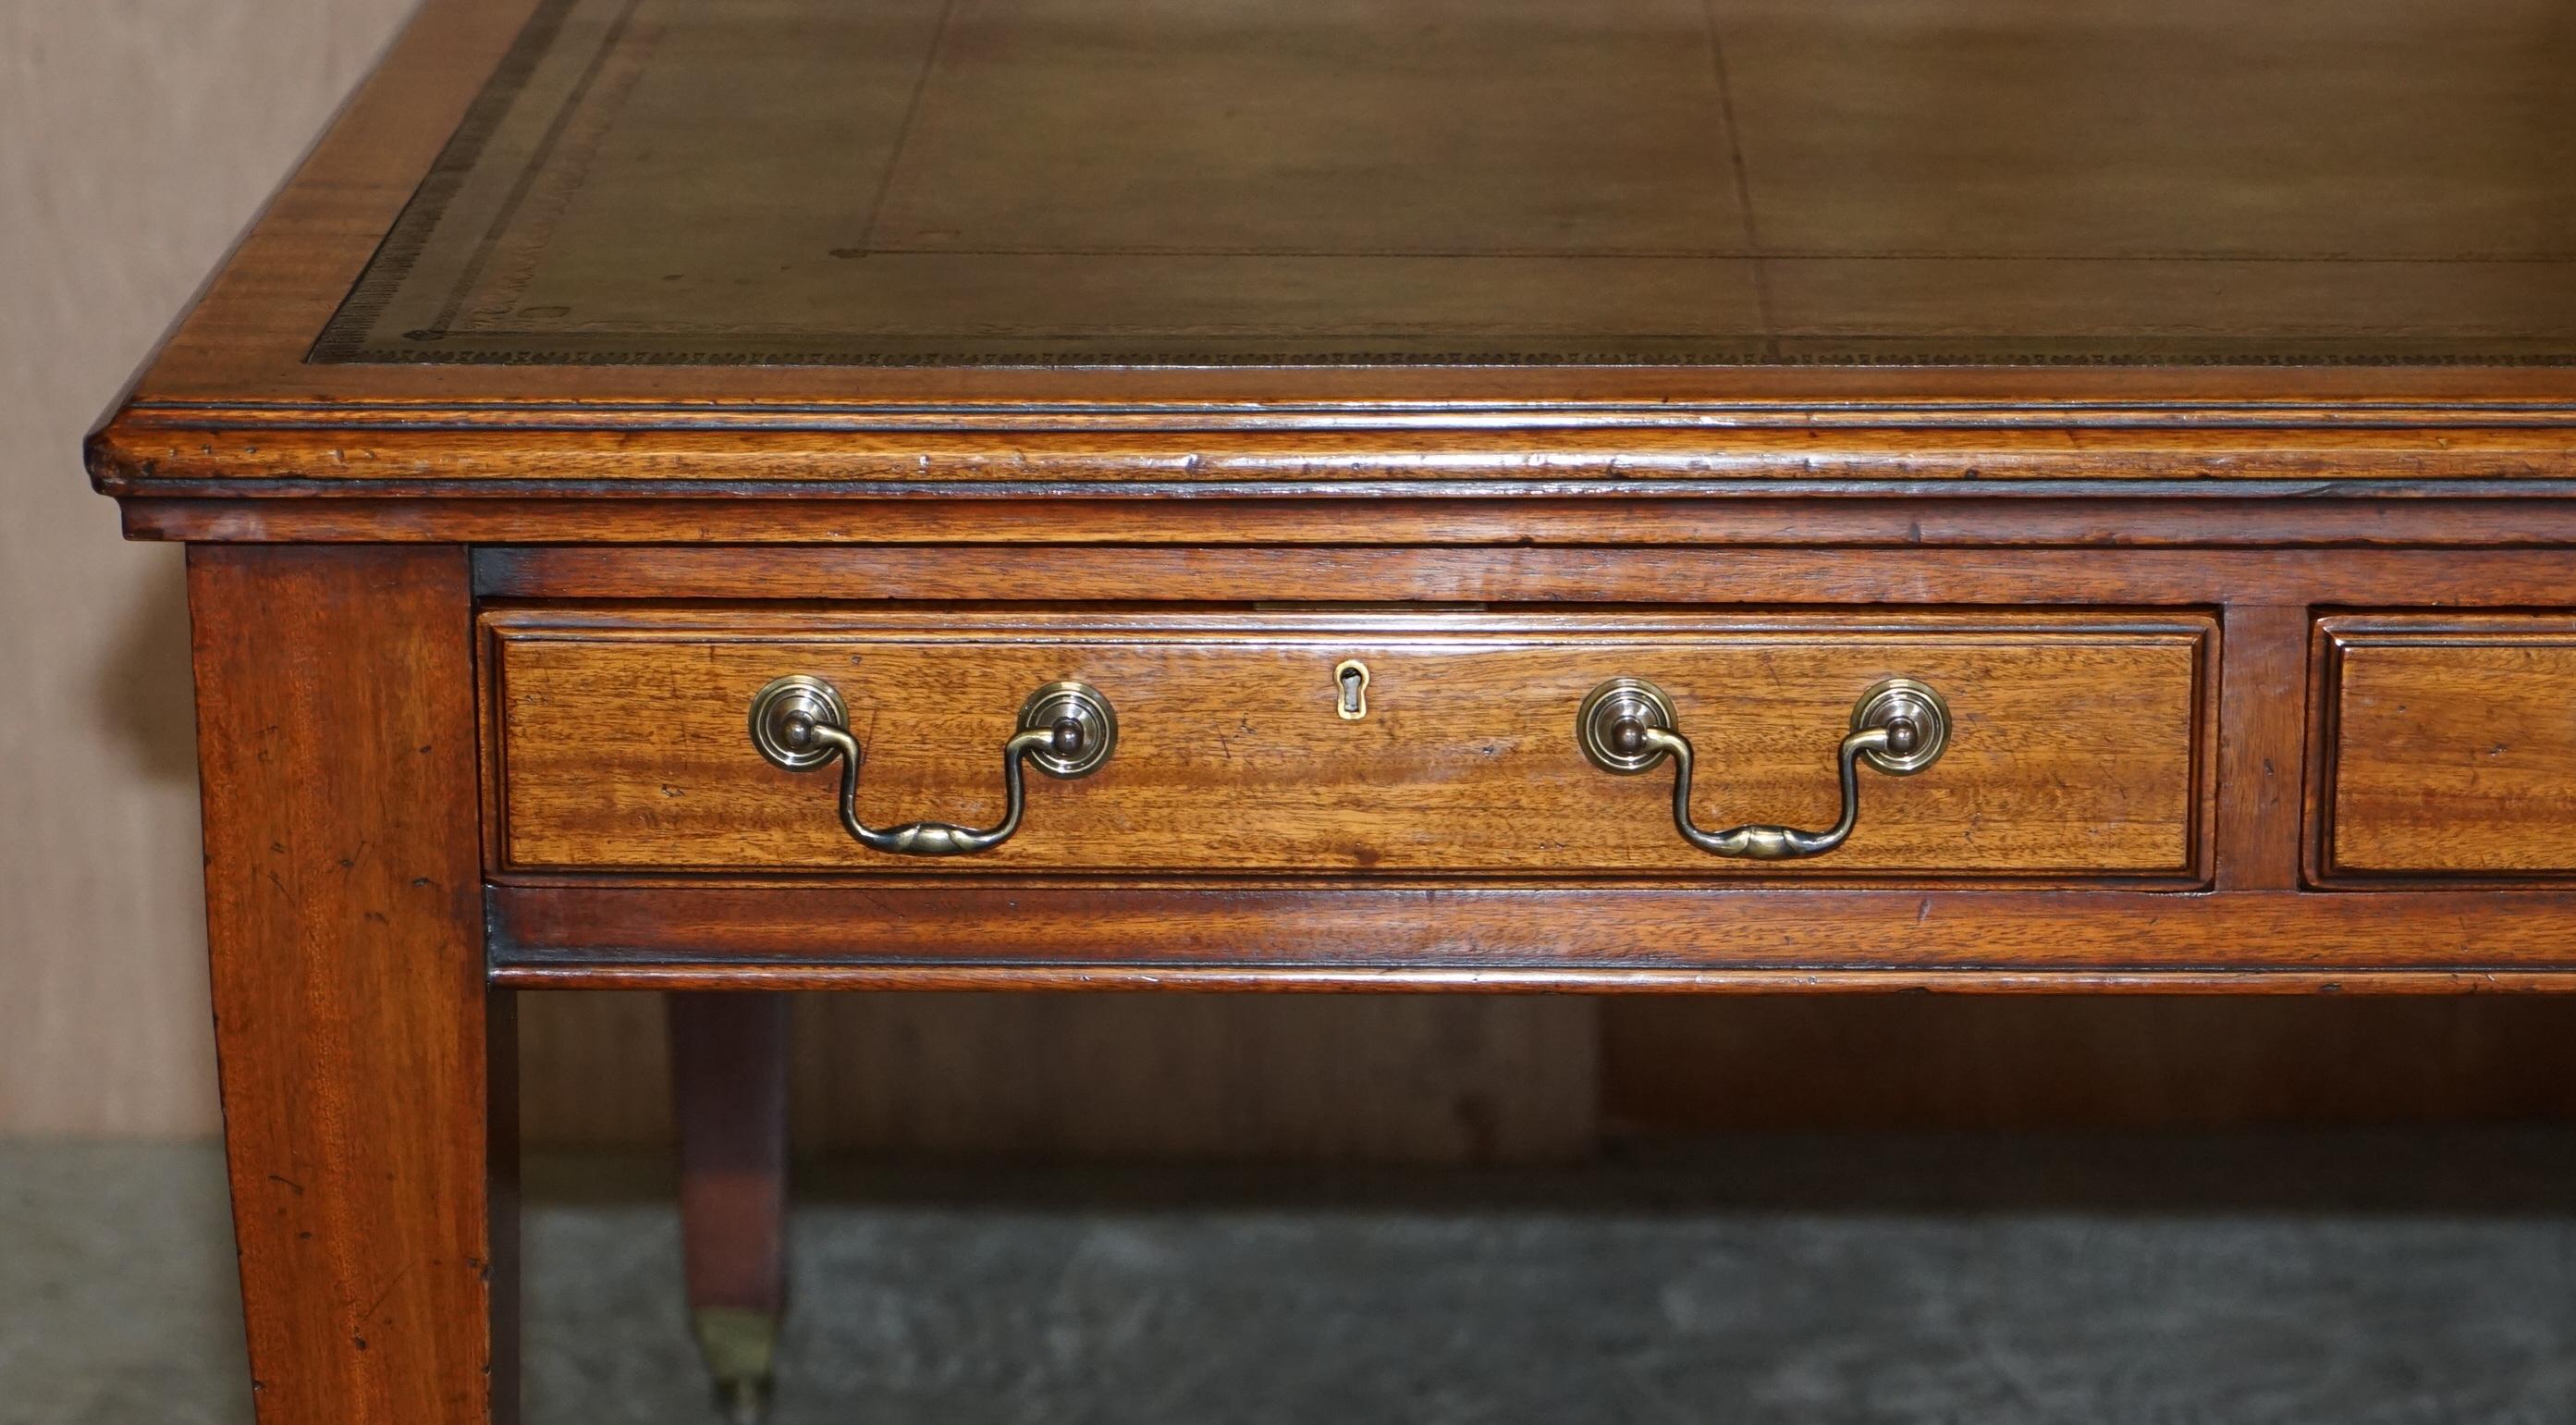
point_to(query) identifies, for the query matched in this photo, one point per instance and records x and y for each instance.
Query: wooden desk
(2097, 478)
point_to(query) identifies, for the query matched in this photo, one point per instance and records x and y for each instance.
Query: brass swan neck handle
(1067, 729)
(1899, 727)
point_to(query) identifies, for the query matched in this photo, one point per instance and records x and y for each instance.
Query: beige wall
(136, 137)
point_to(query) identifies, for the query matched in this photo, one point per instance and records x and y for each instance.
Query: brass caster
(743, 1402)
(740, 1347)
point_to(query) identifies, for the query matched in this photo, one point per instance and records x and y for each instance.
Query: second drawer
(2074, 748)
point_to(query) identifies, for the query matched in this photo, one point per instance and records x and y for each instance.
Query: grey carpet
(2359, 1278)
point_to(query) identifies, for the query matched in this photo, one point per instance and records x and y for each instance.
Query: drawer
(2448, 745)
(2075, 745)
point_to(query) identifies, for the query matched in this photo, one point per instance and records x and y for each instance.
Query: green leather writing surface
(1513, 181)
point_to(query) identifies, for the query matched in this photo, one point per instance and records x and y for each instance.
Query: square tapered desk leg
(729, 1067)
(369, 1105)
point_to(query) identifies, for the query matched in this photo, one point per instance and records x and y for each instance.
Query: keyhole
(1353, 676)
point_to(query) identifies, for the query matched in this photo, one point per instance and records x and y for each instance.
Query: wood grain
(1326, 935)
(1537, 449)
(2263, 728)
(2450, 748)
(1805, 1063)
(2070, 515)
(1173, 1077)
(366, 1067)
(590, 977)
(2077, 750)
(729, 1066)
(1451, 1080)
(2251, 579)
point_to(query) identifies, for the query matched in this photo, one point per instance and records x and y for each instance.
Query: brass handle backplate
(1899, 727)
(1067, 729)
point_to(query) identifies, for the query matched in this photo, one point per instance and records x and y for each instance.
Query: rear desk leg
(369, 1105)
(729, 1086)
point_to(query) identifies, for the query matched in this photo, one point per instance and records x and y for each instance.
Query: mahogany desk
(1296, 491)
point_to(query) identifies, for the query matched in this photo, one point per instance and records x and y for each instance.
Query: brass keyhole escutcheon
(1350, 683)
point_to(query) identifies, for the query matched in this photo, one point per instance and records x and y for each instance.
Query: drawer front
(2448, 745)
(622, 742)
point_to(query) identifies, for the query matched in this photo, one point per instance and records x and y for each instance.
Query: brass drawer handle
(1898, 726)
(1067, 729)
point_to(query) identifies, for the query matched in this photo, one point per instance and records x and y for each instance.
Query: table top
(1727, 182)
(1350, 246)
